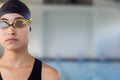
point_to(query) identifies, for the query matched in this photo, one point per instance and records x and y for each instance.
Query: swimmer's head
(15, 6)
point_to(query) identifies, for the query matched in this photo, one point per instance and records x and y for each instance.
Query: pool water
(75, 70)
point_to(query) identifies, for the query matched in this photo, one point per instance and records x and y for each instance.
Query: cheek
(2, 36)
(23, 35)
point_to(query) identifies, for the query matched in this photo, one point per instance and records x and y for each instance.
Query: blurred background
(80, 38)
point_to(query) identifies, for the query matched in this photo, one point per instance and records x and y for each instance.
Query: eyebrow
(19, 18)
(14, 19)
(3, 19)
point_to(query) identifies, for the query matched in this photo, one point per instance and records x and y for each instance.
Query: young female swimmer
(16, 62)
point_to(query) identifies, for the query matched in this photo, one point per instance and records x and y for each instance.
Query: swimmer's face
(13, 38)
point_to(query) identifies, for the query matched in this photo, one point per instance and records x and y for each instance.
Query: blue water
(71, 70)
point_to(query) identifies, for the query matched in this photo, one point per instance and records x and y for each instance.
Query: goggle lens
(3, 24)
(19, 23)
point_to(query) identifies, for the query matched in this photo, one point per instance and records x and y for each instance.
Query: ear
(30, 29)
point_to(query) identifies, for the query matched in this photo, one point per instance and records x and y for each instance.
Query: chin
(13, 48)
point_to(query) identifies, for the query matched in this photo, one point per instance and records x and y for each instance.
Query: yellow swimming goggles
(18, 23)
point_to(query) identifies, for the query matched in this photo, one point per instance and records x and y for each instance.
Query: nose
(11, 30)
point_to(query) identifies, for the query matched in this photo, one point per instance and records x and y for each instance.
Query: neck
(16, 58)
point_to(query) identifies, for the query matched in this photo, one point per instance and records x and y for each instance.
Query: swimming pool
(87, 70)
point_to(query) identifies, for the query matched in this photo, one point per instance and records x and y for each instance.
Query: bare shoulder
(49, 73)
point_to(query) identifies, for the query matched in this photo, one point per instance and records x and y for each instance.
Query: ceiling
(27, 1)
(40, 1)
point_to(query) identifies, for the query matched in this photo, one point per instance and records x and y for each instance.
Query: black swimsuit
(36, 71)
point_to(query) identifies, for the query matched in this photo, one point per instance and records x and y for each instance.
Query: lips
(11, 40)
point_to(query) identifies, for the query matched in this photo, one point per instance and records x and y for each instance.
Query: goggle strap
(29, 20)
